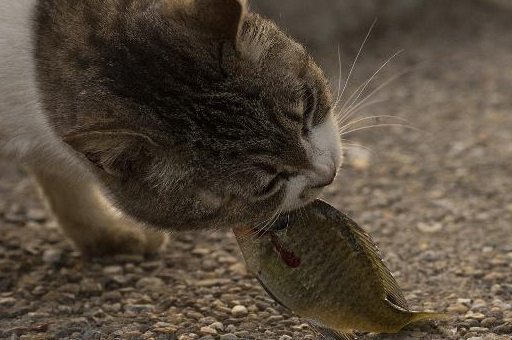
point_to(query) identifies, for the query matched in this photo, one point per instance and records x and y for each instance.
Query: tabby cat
(142, 115)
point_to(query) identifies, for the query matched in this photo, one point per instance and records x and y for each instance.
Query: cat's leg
(89, 221)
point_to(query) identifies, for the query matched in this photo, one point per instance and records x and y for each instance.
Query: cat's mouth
(302, 198)
(278, 223)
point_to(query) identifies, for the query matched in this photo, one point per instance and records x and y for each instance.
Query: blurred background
(427, 123)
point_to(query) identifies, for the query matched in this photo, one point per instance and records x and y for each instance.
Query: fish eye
(281, 223)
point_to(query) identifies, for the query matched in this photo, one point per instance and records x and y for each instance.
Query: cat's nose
(325, 178)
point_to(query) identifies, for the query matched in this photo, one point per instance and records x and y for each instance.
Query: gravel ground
(437, 200)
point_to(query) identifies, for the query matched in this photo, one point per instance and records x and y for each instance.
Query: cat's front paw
(121, 240)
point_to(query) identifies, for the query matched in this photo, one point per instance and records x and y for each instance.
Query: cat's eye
(275, 183)
(271, 187)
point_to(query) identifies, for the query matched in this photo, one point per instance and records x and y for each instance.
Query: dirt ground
(437, 200)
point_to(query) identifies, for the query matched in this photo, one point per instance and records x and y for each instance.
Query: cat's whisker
(269, 225)
(349, 141)
(355, 92)
(376, 118)
(254, 177)
(304, 219)
(287, 224)
(354, 111)
(356, 145)
(384, 125)
(301, 218)
(339, 80)
(365, 85)
(256, 231)
(306, 212)
(267, 222)
(383, 85)
(238, 172)
(264, 222)
(338, 99)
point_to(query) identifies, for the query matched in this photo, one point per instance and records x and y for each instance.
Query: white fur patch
(294, 188)
(325, 144)
(20, 121)
(324, 151)
(25, 134)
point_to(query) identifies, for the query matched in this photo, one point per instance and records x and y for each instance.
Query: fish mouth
(284, 221)
(287, 219)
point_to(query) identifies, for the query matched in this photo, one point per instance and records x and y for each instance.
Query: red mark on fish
(286, 256)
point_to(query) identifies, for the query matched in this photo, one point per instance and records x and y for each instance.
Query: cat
(135, 116)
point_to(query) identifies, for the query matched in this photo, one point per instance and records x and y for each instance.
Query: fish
(321, 265)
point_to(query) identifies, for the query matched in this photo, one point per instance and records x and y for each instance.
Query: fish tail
(423, 316)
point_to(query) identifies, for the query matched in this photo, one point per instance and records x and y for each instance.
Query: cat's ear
(118, 153)
(223, 18)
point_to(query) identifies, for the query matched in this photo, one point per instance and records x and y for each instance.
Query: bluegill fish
(323, 266)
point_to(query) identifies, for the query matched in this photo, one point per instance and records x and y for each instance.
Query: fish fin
(423, 316)
(327, 333)
(271, 294)
(393, 293)
(330, 334)
(362, 242)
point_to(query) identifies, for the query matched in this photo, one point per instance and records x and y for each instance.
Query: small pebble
(92, 335)
(195, 315)
(274, 319)
(458, 309)
(7, 302)
(478, 329)
(217, 326)
(36, 214)
(137, 309)
(239, 311)
(488, 322)
(476, 316)
(228, 336)
(208, 330)
(430, 228)
(466, 302)
(52, 256)
(152, 283)
(231, 328)
(504, 329)
(112, 270)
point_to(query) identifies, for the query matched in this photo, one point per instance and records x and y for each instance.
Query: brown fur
(183, 110)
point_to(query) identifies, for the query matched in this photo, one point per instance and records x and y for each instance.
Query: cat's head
(215, 118)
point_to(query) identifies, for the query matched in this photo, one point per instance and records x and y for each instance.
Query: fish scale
(339, 281)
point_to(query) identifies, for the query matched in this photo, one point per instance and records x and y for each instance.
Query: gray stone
(136, 308)
(113, 270)
(52, 256)
(151, 283)
(228, 336)
(92, 335)
(239, 311)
